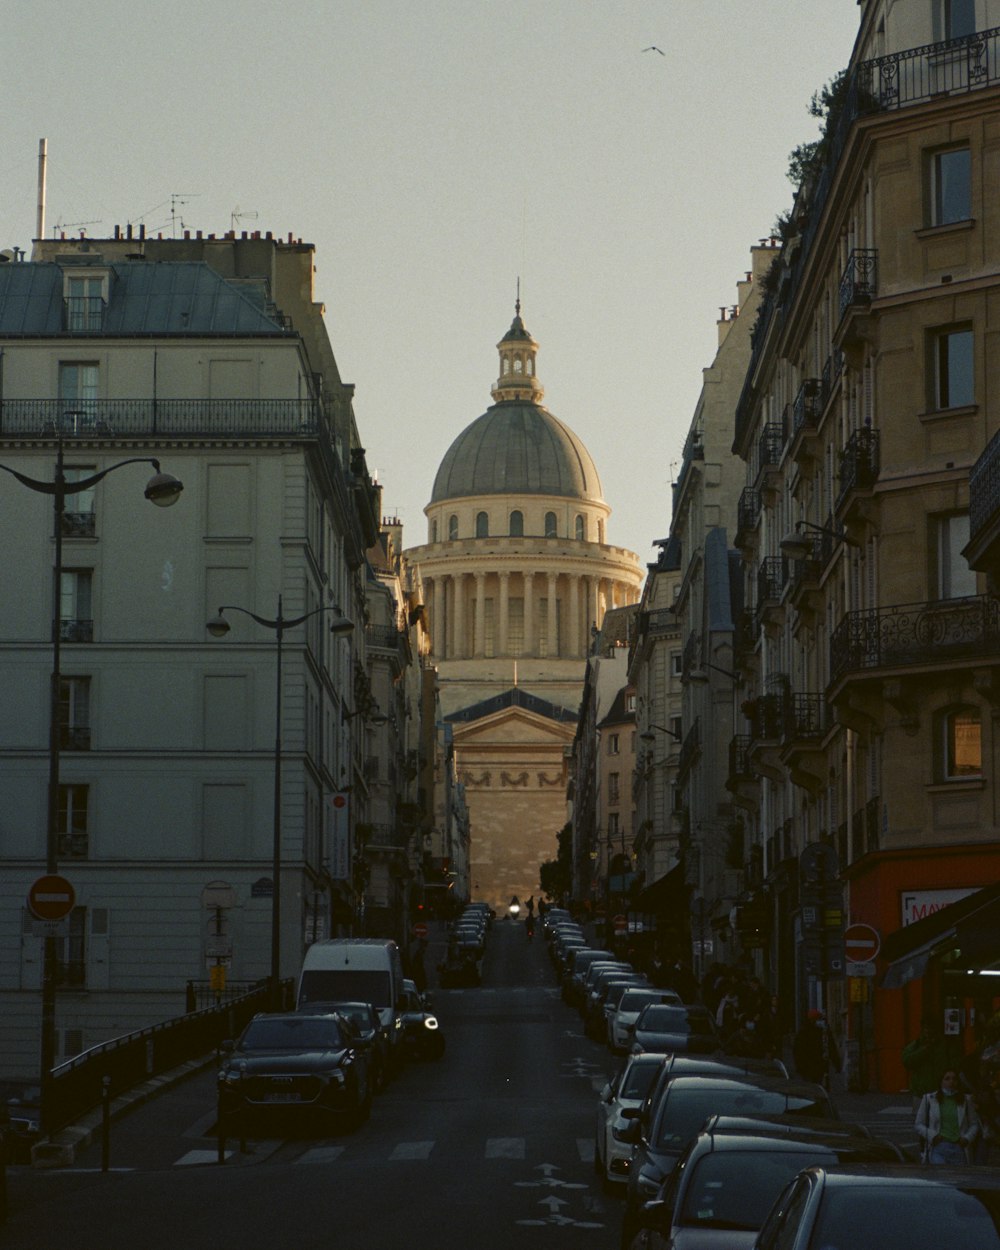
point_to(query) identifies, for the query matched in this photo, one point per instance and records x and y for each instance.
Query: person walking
(947, 1123)
(808, 1048)
(928, 1055)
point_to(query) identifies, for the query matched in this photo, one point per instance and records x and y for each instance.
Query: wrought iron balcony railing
(748, 510)
(74, 737)
(984, 490)
(78, 525)
(859, 462)
(770, 444)
(76, 631)
(739, 758)
(766, 715)
(140, 418)
(772, 574)
(859, 281)
(807, 406)
(805, 716)
(937, 631)
(83, 314)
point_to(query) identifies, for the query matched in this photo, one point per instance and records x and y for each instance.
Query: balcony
(74, 737)
(145, 418)
(390, 641)
(661, 621)
(772, 577)
(76, 631)
(807, 409)
(78, 525)
(739, 758)
(859, 281)
(767, 455)
(83, 314)
(690, 749)
(983, 551)
(385, 838)
(938, 633)
(766, 715)
(748, 512)
(694, 450)
(804, 575)
(859, 465)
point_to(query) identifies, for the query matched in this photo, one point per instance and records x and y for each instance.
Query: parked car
(621, 1026)
(664, 1125)
(674, 1027)
(886, 1207)
(725, 1183)
(576, 970)
(461, 965)
(296, 1063)
(608, 989)
(423, 1037)
(371, 1034)
(626, 1090)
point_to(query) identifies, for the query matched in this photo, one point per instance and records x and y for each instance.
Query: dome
(517, 449)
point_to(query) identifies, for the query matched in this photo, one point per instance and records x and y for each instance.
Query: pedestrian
(947, 1123)
(727, 1012)
(809, 1048)
(926, 1057)
(746, 1042)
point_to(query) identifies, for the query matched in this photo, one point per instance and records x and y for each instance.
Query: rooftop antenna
(43, 148)
(177, 202)
(72, 225)
(235, 217)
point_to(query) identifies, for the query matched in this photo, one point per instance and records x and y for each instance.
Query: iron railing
(807, 406)
(739, 758)
(76, 631)
(772, 574)
(145, 418)
(689, 750)
(748, 510)
(936, 631)
(770, 444)
(74, 737)
(83, 314)
(859, 281)
(984, 489)
(859, 462)
(806, 717)
(78, 525)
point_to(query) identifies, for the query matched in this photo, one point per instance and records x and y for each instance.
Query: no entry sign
(861, 943)
(51, 898)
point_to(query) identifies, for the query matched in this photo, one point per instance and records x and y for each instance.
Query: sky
(438, 152)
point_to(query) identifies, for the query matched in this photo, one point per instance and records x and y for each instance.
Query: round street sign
(51, 898)
(621, 924)
(420, 930)
(861, 943)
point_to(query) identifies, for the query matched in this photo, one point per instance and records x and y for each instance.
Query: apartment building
(865, 754)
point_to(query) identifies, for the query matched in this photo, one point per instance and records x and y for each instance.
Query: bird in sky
(653, 48)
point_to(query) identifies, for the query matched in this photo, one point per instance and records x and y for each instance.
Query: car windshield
(661, 1018)
(932, 1215)
(295, 1033)
(635, 1000)
(685, 1110)
(325, 985)
(360, 1013)
(638, 1080)
(736, 1189)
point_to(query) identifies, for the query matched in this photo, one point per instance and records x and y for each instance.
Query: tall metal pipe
(40, 220)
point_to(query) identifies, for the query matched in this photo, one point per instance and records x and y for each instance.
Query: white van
(368, 970)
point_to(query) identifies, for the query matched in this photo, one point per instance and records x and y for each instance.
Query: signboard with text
(338, 836)
(918, 904)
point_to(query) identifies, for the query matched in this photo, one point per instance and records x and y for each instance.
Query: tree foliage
(806, 160)
(556, 875)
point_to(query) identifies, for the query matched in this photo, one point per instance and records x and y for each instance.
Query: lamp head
(341, 625)
(795, 545)
(698, 676)
(218, 626)
(163, 489)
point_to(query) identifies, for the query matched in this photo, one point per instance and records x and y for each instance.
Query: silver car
(627, 1089)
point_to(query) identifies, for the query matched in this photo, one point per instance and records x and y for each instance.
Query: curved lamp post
(163, 490)
(218, 627)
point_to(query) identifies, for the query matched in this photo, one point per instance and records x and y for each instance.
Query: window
(960, 744)
(71, 952)
(78, 517)
(614, 744)
(78, 385)
(953, 380)
(518, 365)
(950, 195)
(74, 713)
(676, 663)
(84, 303)
(550, 525)
(434, 531)
(614, 828)
(959, 18)
(676, 730)
(72, 838)
(75, 612)
(954, 579)
(515, 627)
(453, 529)
(614, 787)
(581, 529)
(482, 525)
(517, 525)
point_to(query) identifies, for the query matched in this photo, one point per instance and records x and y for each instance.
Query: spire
(517, 381)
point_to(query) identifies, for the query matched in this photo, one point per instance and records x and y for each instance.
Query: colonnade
(480, 614)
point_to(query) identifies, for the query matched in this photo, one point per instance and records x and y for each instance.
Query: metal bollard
(105, 1123)
(219, 1124)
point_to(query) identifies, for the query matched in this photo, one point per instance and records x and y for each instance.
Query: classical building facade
(517, 573)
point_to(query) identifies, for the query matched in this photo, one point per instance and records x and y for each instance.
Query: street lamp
(163, 490)
(796, 545)
(700, 677)
(218, 627)
(648, 735)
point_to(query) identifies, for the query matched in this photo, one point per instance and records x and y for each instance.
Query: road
(492, 1145)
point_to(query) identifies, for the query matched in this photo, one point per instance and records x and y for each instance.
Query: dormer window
(85, 297)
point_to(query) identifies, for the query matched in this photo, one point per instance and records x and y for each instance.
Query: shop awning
(665, 894)
(971, 925)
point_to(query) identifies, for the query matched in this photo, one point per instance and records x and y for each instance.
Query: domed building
(516, 575)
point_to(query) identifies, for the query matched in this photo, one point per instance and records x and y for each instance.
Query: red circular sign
(621, 924)
(51, 897)
(861, 943)
(339, 800)
(420, 929)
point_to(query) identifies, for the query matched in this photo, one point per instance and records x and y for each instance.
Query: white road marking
(585, 1149)
(322, 1154)
(505, 1148)
(412, 1150)
(194, 1158)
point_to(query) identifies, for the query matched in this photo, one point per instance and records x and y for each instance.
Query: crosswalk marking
(505, 1148)
(585, 1149)
(412, 1150)
(195, 1157)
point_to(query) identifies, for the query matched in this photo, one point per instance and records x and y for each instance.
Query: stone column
(503, 614)
(529, 615)
(593, 604)
(479, 642)
(437, 610)
(574, 648)
(458, 649)
(552, 633)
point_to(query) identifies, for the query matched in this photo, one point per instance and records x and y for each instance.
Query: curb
(61, 1150)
